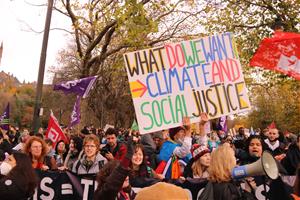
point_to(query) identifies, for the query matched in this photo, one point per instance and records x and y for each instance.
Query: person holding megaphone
(222, 185)
(261, 177)
(254, 147)
(253, 151)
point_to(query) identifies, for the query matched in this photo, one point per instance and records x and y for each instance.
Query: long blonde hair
(221, 164)
(198, 169)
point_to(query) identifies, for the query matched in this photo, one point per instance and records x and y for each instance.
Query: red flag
(280, 53)
(272, 125)
(54, 131)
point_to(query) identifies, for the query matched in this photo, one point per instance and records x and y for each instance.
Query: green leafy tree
(103, 31)
(274, 97)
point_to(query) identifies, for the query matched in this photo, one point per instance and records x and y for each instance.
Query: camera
(104, 151)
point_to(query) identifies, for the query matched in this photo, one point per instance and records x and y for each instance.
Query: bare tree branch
(30, 29)
(38, 5)
(74, 22)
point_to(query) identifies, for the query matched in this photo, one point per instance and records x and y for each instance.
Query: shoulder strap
(100, 164)
(77, 166)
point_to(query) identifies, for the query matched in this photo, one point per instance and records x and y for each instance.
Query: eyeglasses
(89, 146)
(36, 147)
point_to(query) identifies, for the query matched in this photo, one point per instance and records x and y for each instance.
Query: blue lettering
(158, 85)
(186, 78)
(166, 82)
(222, 47)
(149, 86)
(214, 47)
(195, 72)
(208, 55)
(205, 74)
(173, 72)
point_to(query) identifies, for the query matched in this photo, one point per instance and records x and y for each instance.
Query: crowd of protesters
(171, 164)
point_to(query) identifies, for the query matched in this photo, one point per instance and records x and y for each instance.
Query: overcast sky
(22, 47)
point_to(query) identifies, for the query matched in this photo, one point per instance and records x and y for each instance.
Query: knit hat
(199, 150)
(158, 134)
(165, 191)
(173, 131)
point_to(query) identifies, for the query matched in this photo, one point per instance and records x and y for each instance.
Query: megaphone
(266, 165)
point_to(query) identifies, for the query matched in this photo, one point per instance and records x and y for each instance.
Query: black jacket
(230, 191)
(143, 177)
(6, 146)
(10, 190)
(188, 172)
(292, 159)
(279, 150)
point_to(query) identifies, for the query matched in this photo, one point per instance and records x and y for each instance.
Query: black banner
(64, 185)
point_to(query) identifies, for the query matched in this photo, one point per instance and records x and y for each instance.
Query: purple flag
(75, 116)
(80, 87)
(4, 119)
(222, 125)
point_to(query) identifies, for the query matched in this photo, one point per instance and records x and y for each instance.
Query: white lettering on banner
(49, 190)
(66, 188)
(35, 194)
(70, 84)
(260, 191)
(86, 186)
(53, 135)
(60, 187)
(95, 185)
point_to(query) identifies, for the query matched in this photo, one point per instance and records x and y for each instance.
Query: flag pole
(39, 87)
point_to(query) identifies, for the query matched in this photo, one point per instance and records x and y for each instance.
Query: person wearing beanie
(198, 165)
(178, 145)
(164, 191)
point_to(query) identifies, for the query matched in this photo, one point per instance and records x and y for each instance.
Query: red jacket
(119, 152)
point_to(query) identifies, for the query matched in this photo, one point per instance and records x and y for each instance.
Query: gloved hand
(130, 151)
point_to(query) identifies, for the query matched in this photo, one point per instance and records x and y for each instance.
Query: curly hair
(78, 142)
(27, 150)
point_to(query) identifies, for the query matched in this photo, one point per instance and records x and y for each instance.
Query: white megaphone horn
(266, 165)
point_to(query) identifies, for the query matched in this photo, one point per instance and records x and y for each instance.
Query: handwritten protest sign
(184, 79)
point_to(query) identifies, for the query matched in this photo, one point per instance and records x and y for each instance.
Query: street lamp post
(39, 87)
